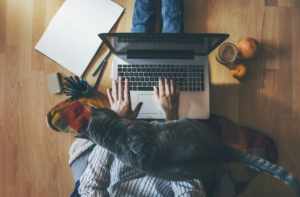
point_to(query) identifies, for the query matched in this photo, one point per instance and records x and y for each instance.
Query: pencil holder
(76, 88)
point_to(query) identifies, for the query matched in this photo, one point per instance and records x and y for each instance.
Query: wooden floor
(34, 159)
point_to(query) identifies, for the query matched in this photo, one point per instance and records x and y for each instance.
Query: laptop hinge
(163, 54)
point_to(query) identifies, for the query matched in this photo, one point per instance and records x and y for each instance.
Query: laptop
(144, 57)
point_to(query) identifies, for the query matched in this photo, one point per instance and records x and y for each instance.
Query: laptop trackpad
(149, 105)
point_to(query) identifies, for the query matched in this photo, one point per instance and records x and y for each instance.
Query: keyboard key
(184, 74)
(176, 70)
(152, 69)
(141, 78)
(137, 79)
(149, 83)
(156, 79)
(181, 88)
(140, 74)
(129, 69)
(140, 84)
(175, 79)
(183, 79)
(202, 88)
(194, 84)
(126, 74)
(183, 70)
(153, 83)
(143, 69)
(150, 74)
(169, 74)
(145, 89)
(121, 74)
(185, 84)
(194, 89)
(131, 74)
(134, 83)
(194, 79)
(179, 74)
(155, 74)
(158, 70)
(136, 74)
(119, 66)
(130, 83)
(152, 79)
(162, 70)
(148, 69)
(146, 78)
(190, 79)
(190, 84)
(181, 83)
(124, 65)
(186, 89)
(190, 89)
(134, 70)
(198, 89)
(159, 74)
(174, 74)
(164, 74)
(134, 88)
(138, 70)
(144, 84)
(146, 74)
(132, 79)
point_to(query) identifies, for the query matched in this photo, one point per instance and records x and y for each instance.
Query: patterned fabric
(106, 175)
(74, 116)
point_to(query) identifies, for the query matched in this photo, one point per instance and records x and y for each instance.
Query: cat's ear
(82, 136)
(92, 109)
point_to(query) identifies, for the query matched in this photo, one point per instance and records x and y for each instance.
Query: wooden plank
(285, 52)
(270, 38)
(271, 2)
(10, 108)
(288, 3)
(12, 22)
(2, 25)
(38, 28)
(25, 38)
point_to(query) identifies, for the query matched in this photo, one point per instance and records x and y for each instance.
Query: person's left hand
(120, 102)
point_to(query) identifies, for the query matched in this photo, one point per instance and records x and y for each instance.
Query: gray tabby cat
(176, 150)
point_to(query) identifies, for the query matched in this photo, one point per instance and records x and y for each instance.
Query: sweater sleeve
(190, 188)
(96, 178)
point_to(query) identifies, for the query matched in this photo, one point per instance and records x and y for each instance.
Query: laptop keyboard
(144, 77)
(161, 39)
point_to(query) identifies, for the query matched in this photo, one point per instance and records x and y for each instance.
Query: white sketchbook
(71, 39)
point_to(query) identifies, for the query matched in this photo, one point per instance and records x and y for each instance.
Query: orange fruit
(248, 48)
(239, 71)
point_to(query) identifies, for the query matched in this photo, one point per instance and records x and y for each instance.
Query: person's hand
(120, 102)
(168, 98)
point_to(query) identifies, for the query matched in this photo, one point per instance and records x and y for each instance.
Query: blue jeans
(144, 16)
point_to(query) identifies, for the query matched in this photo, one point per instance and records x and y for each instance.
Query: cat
(176, 150)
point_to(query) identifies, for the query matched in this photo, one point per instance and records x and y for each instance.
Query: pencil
(99, 76)
(101, 63)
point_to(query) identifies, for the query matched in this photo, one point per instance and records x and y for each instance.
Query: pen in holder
(227, 54)
(76, 88)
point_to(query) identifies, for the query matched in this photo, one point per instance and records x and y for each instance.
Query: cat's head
(102, 114)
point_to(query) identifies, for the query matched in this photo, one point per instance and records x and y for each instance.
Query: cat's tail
(267, 167)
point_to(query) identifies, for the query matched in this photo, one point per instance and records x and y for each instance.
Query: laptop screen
(200, 44)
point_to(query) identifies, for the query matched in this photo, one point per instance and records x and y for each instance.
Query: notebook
(71, 39)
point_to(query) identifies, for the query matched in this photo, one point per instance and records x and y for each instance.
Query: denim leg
(144, 16)
(79, 165)
(172, 16)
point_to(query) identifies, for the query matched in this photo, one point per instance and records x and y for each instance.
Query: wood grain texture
(34, 159)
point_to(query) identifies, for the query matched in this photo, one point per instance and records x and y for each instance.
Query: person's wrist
(171, 116)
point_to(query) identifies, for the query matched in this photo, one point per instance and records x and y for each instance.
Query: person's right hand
(168, 98)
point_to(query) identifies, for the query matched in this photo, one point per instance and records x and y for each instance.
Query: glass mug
(227, 54)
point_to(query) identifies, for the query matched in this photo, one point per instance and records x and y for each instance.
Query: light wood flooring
(34, 159)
